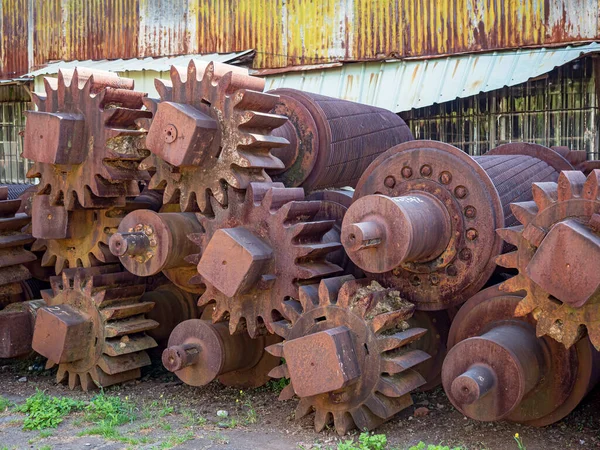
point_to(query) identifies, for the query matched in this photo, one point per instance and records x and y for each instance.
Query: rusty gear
(13, 255)
(497, 369)
(346, 353)
(558, 245)
(270, 244)
(84, 139)
(94, 327)
(212, 129)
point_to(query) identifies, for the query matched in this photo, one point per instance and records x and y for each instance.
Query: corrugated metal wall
(283, 32)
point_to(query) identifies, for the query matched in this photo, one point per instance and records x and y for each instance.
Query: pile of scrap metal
(249, 234)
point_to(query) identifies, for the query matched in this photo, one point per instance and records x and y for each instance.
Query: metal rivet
(451, 270)
(445, 177)
(465, 254)
(460, 192)
(390, 182)
(470, 212)
(407, 172)
(426, 170)
(472, 234)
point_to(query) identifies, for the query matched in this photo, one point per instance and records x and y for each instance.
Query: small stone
(410, 418)
(468, 428)
(421, 412)
(87, 444)
(581, 441)
(222, 413)
(23, 380)
(424, 403)
(440, 406)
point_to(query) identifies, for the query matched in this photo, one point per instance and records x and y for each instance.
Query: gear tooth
(280, 328)
(298, 211)
(287, 393)
(392, 342)
(544, 194)
(594, 335)
(316, 270)
(591, 189)
(309, 296)
(401, 384)
(113, 365)
(343, 422)
(511, 235)
(322, 419)
(525, 212)
(330, 288)
(279, 372)
(292, 309)
(275, 350)
(365, 419)
(73, 380)
(261, 102)
(377, 406)
(311, 231)
(164, 89)
(514, 284)
(399, 363)
(570, 184)
(61, 375)
(572, 332)
(303, 409)
(257, 119)
(49, 260)
(508, 260)
(525, 306)
(252, 326)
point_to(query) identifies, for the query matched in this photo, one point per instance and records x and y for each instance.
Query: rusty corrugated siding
(14, 38)
(285, 32)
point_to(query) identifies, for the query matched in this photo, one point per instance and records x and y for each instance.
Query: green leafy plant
(109, 410)
(366, 441)
(278, 385)
(5, 404)
(44, 411)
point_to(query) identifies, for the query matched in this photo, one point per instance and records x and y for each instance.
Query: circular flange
(473, 204)
(566, 374)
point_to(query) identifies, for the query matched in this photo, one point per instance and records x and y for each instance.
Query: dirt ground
(169, 414)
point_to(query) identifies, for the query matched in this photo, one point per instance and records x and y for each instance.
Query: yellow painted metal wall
(283, 32)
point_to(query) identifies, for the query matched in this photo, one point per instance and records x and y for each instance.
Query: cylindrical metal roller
(148, 243)
(425, 213)
(332, 141)
(171, 307)
(200, 351)
(496, 367)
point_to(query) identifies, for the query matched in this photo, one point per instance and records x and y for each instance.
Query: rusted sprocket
(558, 247)
(13, 255)
(85, 141)
(256, 252)
(94, 327)
(76, 238)
(212, 129)
(347, 353)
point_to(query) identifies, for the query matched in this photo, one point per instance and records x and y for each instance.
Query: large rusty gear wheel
(557, 252)
(212, 129)
(271, 244)
(94, 327)
(13, 255)
(347, 353)
(83, 240)
(85, 141)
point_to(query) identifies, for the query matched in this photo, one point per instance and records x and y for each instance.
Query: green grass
(111, 433)
(109, 410)
(424, 446)
(278, 385)
(366, 441)
(45, 434)
(5, 404)
(175, 440)
(43, 411)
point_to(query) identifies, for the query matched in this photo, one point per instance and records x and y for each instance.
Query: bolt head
(406, 172)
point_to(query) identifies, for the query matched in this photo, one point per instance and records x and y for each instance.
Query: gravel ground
(169, 414)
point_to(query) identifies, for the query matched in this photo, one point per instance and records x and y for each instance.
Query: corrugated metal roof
(138, 65)
(403, 85)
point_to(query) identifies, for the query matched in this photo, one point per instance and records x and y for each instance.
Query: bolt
(415, 281)
(470, 212)
(426, 170)
(451, 270)
(406, 172)
(434, 279)
(390, 182)
(460, 192)
(472, 234)
(445, 177)
(465, 254)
